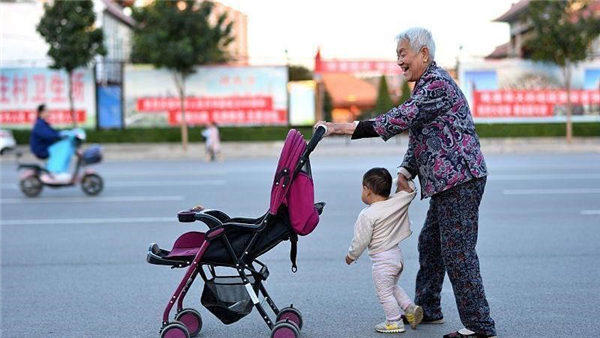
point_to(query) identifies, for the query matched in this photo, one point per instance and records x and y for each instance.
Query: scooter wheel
(191, 319)
(31, 186)
(174, 330)
(92, 184)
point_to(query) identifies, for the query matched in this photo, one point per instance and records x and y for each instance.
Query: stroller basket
(226, 297)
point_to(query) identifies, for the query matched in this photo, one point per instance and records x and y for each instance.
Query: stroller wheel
(292, 314)
(92, 184)
(191, 319)
(174, 330)
(31, 186)
(285, 330)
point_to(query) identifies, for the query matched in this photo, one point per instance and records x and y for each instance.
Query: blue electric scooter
(34, 177)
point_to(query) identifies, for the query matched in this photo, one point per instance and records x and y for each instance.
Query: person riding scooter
(58, 147)
(46, 143)
(42, 135)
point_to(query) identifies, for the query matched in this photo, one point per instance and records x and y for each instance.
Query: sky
(354, 29)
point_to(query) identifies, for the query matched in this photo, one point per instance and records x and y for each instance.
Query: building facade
(520, 31)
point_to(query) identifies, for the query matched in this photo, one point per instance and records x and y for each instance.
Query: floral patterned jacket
(443, 147)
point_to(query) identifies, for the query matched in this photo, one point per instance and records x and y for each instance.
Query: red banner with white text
(228, 110)
(159, 104)
(527, 103)
(27, 117)
(228, 117)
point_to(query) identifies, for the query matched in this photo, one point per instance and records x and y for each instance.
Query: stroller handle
(316, 138)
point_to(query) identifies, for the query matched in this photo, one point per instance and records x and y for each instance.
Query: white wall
(20, 43)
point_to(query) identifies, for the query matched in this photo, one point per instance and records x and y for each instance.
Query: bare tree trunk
(180, 83)
(567, 73)
(71, 108)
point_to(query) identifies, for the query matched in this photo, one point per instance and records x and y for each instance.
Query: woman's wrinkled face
(413, 63)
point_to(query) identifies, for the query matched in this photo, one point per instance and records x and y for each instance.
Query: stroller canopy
(293, 185)
(293, 149)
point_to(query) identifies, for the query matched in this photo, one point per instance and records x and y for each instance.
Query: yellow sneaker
(390, 327)
(414, 315)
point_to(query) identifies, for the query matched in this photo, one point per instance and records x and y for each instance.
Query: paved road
(74, 266)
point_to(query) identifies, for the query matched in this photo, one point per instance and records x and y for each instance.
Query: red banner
(161, 104)
(229, 117)
(348, 66)
(29, 116)
(527, 103)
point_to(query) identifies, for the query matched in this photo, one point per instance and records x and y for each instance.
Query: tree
(178, 36)
(562, 33)
(299, 73)
(405, 95)
(68, 27)
(384, 101)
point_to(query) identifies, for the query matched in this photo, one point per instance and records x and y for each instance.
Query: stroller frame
(218, 221)
(217, 231)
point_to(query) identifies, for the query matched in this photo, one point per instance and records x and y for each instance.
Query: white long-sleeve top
(382, 225)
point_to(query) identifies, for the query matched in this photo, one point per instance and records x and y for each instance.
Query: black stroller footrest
(157, 256)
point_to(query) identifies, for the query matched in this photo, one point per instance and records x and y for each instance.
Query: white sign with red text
(23, 89)
(227, 95)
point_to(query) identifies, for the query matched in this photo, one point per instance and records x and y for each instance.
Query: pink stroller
(237, 243)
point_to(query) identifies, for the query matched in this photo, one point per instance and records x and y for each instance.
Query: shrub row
(240, 134)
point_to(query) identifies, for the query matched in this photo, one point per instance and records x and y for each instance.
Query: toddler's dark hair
(379, 181)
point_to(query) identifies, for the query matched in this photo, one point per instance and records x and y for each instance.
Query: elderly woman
(444, 152)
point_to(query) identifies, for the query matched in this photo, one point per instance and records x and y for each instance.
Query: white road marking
(550, 191)
(590, 212)
(90, 199)
(164, 183)
(164, 173)
(129, 184)
(88, 220)
(540, 177)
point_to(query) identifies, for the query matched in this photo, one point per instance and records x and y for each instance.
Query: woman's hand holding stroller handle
(327, 127)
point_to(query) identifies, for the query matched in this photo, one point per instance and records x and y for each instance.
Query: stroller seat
(187, 245)
(239, 234)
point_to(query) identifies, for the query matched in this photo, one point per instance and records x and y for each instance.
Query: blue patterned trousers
(447, 244)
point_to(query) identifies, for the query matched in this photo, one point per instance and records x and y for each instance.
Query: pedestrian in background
(213, 141)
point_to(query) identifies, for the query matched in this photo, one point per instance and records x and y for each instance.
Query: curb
(335, 146)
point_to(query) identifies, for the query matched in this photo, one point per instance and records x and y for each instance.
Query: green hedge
(157, 135)
(581, 129)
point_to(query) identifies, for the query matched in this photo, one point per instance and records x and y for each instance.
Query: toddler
(381, 226)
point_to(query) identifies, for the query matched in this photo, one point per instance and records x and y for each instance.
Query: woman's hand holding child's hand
(349, 260)
(402, 184)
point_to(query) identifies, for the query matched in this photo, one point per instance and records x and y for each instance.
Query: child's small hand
(197, 208)
(349, 260)
(402, 184)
